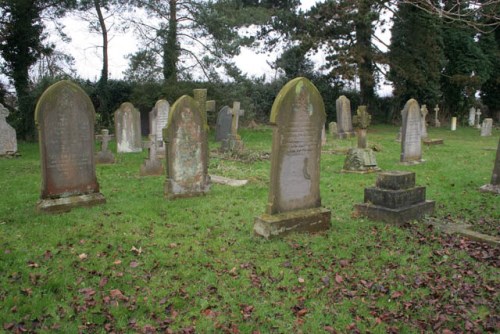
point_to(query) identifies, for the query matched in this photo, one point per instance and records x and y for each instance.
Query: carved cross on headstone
(436, 119)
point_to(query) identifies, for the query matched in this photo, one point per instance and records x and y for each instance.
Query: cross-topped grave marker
(104, 156)
(151, 165)
(437, 124)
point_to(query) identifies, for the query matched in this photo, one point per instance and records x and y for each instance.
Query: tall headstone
(200, 96)
(494, 186)
(233, 142)
(486, 127)
(472, 116)
(453, 124)
(65, 119)
(187, 150)
(128, 129)
(8, 140)
(478, 119)
(223, 125)
(424, 112)
(344, 121)
(151, 165)
(159, 119)
(294, 203)
(437, 123)
(411, 142)
(104, 156)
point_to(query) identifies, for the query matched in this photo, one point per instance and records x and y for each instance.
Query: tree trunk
(104, 32)
(171, 47)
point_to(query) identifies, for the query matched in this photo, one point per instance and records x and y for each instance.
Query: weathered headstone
(104, 156)
(332, 128)
(210, 110)
(187, 150)
(323, 136)
(424, 112)
(437, 123)
(128, 129)
(152, 165)
(65, 119)
(472, 116)
(395, 199)
(486, 127)
(344, 121)
(158, 120)
(294, 204)
(494, 186)
(233, 142)
(223, 125)
(398, 135)
(453, 124)
(8, 140)
(478, 119)
(411, 143)
(200, 96)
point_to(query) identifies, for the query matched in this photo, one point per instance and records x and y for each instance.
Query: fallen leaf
(137, 251)
(134, 264)
(396, 294)
(338, 278)
(117, 262)
(82, 256)
(301, 280)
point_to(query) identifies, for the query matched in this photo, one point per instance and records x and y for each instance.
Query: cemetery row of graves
(176, 238)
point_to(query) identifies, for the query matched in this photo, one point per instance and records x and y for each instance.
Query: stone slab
(394, 198)
(395, 180)
(227, 181)
(308, 220)
(430, 142)
(395, 216)
(65, 204)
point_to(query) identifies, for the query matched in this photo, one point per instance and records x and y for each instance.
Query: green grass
(141, 262)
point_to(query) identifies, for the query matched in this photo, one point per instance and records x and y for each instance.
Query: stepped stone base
(308, 220)
(394, 199)
(395, 216)
(65, 204)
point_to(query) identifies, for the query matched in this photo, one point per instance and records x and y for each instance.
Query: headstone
(294, 204)
(344, 122)
(233, 142)
(8, 140)
(65, 119)
(151, 165)
(187, 150)
(398, 135)
(210, 110)
(223, 125)
(332, 128)
(323, 136)
(472, 116)
(104, 156)
(437, 123)
(424, 112)
(453, 124)
(494, 186)
(411, 143)
(478, 119)
(159, 119)
(128, 129)
(395, 199)
(200, 96)
(486, 127)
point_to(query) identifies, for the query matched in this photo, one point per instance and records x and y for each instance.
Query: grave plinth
(494, 186)
(395, 199)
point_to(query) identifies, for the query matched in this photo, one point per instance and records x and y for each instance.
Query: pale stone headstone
(453, 124)
(128, 129)
(424, 112)
(494, 186)
(65, 119)
(152, 165)
(344, 121)
(472, 116)
(233, 142)
(8, 140)
(104, 156)
(478, 119)
(223, 125)
(398, 135)
(323, 136)
(486, 127)
(411, 142)
(200, 96)
(437, 123)
(187, 150)
(294, 203)
(158, 118)
(332, 128)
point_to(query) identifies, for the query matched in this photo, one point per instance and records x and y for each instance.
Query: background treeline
(445, 53)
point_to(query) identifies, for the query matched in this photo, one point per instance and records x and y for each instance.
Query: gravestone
(478, 119)
(437, 123)
(151, 165)
(104, 156)
(187, 150)
(223, 125)
(472, 116)
(323, 136)
(411, 143)
(453, 124)
(158, 119)
(395, 199)
(294, 203)
(344, 122)
(398, 135)
(65, 119)
(494, 186)
(210, 110)
(332, 128)
(424, 113)
(8, 140)
(128, 129)
(486, 127)
(200, 96)
(233, 142)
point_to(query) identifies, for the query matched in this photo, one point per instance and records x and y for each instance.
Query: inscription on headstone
(128, 129)
(411, 143)
(8, 140)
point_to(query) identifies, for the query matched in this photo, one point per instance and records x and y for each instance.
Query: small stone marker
(332, 128)
(294, 204)
(159, 119)
(395, 199)
(223, 125)
(437, 123)
(411, 143)
(233, 142)
(453, 124)
(472, 116)
(8, 140)
(398, 135)
(65, 119)
(323, 136)
(486, 127)
(424, 112)
(344, 121)
(494, 186)
(187, 150)
(478, 119)
(128, 129)
(151, 165)
(104, 156)
(200, 96)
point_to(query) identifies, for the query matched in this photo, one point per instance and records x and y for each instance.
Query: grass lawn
(141, 263)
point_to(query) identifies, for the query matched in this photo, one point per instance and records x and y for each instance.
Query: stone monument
(104, 156)
(472, 116)
(494, 186)
(65, 119)
(128, 129)
(453, 124)
(332, 128)
(395, 199)
(223, 125)
(233, 142)
(486, 127)
(478, 119)
(411, 143)
(437, 123)
(158, 118)
(294, 203)
(187, 150)
(151, 165)
(344, 122)
(424, 112)
(8, 140)
(200, 96)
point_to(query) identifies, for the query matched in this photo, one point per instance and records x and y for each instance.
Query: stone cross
(478, 118)
(152, 165)
(236, 117)
(424, 112)
(437, 124)
(362, 120)
(104, 138)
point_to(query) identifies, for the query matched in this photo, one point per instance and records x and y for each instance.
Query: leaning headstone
(453, 124)
(294, 204)
(128, 129)
(395, 199)
(151, 165)
(65, 119)
(486, 127)
(478, 119)
(8, 140)
(187, 150)
(200, 96)
(223, 125)
(494, 186)
(437, 123)
(411, 143)
(424, 112)
(332, 128)
(472, 116)
(104, 156)
(344, 121)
